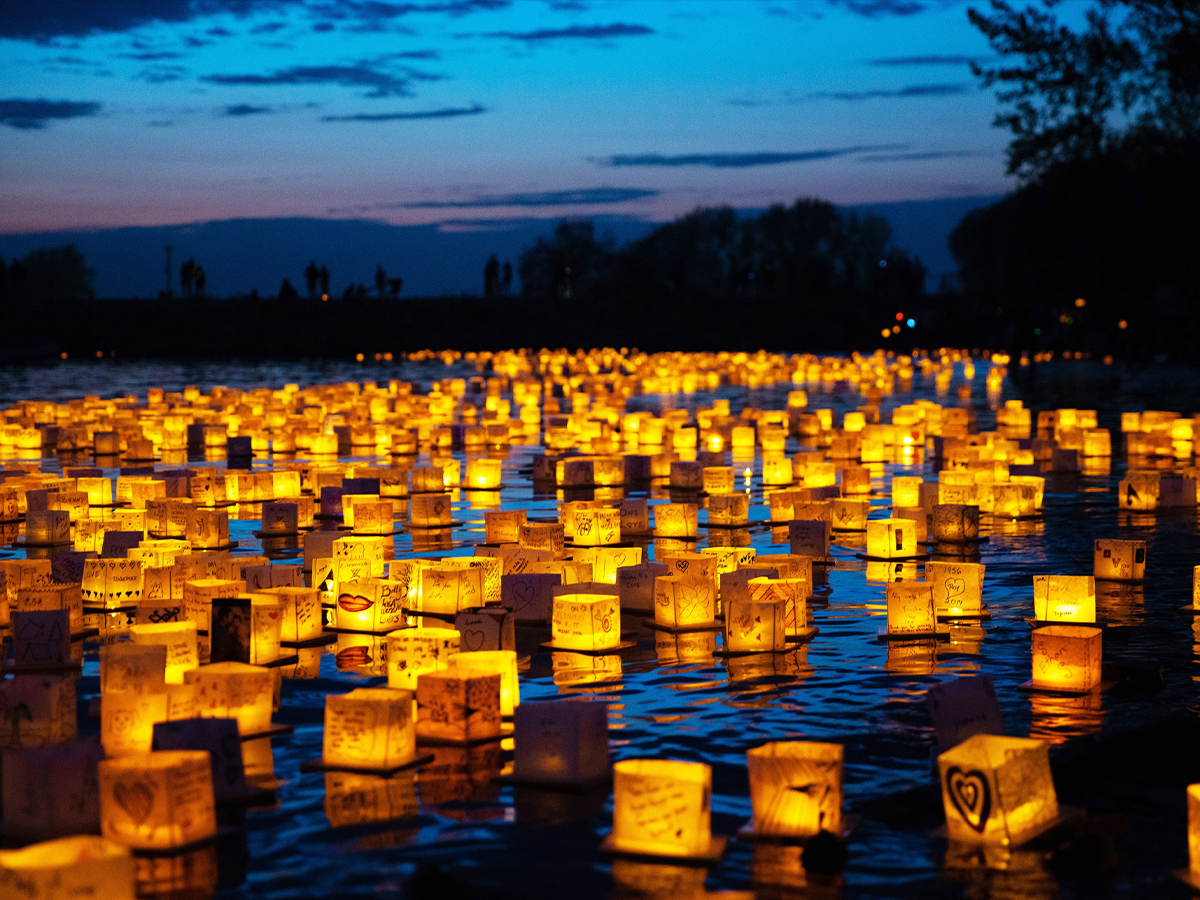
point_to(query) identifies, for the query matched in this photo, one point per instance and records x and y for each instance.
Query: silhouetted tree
(3, 279)
(491, 276)
(355, 293)
(506, 277)
(53, 273)
(394, 286)
(200, 279)
(380, 280)
(288, 292)
(323, 277)
(312, 276)
(186, 271)
(573, 263)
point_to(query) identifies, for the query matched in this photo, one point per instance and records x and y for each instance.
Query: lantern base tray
(443, 526)
(1065, 814)
(984, 613)
(506, 731)
(36, 544)
(319, 641)
(803, 636)
(847, 530)
(283, 659)
(319, 765)
(90, 609)
(223, 832)
(1188, 609)
(1043, 623)
(501, 486)
(941, 634)
(710, 856)
(691, 538)
(616, 546)
(379, 633)
(232, 545)
(727, 525)
(258, 533)
(1030, 688)
(725, 654)
(559, 787)
(441, 617)
(275, 729)
(682, 629)
(747, 833)
(349, 529)
(911, 557)
(623, 645)
(969, 542)
(10, 668)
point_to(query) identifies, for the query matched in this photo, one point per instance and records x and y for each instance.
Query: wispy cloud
(48, 19)
(358, 75)
(161, 74)
(245, 109)
(736, 160)
(151, 55)
(915, 90)
(879, 9)
(574, 32)
(579, 197)
(448, 112)
(922, 155)
(29, 115)
(931, 59)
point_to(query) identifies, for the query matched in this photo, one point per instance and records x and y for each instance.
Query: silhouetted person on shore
(394, 286)
(186, 272)
(323, 275)
(380, 280)
(199, 279)
(312, 275)
(491, 277)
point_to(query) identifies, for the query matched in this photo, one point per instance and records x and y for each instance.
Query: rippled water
(845, 686)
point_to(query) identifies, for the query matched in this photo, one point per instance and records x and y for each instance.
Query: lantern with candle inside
(997, 790)
(133, 668)
(586, 621)
(299, 612)
(50, 791)
(494, 662)
(683, 601)
(245, 629)
(68, 867)
(796, 788)
(1064, 598)
(199, 594)
(543, 536)
(1066, 658)
(635, 518)
(957, 587)
(688, 476)
(597, 527)
(483, 474)
(369, 728)
(112, 582)
(412, 652)
(906, 491)
(1119, 560)
(37, 710)
(445, 589)
(755, 622)
(207, 528)
(847, 514)
(662, 808)
(891, 539)
(159, 800)
(728, 509)
(458, 706)
(231, 690)
(718, 480)
(372, 515)
(561, 743)
(955, 523)
(48, 527)
(676, 520)
(486, 628)
(370, 548)
(503, 526)
(429, 510)
(777, 470)
(180, 639)
(910, 611)
(1011, 500)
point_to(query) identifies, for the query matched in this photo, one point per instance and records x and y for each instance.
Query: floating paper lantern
(597, 527)
(529, 595)
(369, 728)
(445, 588)
(373, 605)
(299, 611)
(49, 791)
(847, 514)
(412, 652)
(891, 538)
(906, 491)
(503, 526)
(957, 587)
(718, 480)
(662, 807)
(955, 522)
(1120, 560)
(232, 690)
(856, 480)
(635, 585)
(1066, 658)
(683, 601)
(69, 867)
(48, 527)
(997, 790)
(586, 621)
(794, 592)
(796, 788)
(688, 476)
(728, 509)
(777, 471)
(483, 474)
(430, 510)
(809, 538)
(486, 628)
(543, 536)
(180, 640)
(127, 719)
(37, 710)
(676, 520)
(754, 624)
(605, 561)
(455, 706)
(494, 662)
(134, 668)
(157, 800)
(561, 742)
(112, 582)
(1064, 598)
(635, 517)
(199, 594)
(910, 609)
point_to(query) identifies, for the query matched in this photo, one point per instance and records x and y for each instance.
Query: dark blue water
(458, 831)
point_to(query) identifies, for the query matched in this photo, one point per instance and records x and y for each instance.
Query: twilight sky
(145, 112)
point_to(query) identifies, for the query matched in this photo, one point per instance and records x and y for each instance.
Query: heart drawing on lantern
(473, 638)
(970, 795)
(954, 587)
(136, 797)
(522, 593)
